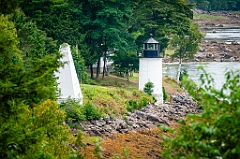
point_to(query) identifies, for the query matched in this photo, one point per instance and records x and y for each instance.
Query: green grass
(116, 96)
(113, 94)
(169, 52)
(207, 16)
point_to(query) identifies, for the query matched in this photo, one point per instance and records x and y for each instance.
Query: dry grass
(145, 144)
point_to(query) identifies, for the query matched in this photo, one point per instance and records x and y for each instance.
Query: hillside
(139, 137)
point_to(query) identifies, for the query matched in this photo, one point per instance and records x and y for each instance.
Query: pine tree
(30, 123)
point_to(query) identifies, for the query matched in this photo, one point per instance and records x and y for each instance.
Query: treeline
(99, 27)
(217, 5)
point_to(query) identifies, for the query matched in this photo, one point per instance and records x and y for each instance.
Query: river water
(226, 35)
(216, 69)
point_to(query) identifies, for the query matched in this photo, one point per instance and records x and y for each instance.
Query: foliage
(136, 104)
(161, 18)
(132, 105)
(40, 60)
(31, 125)
(115, 101)
(186, 43)
(72, 109)
(8, 6)
(103, 26)
(184, 73)
(125, 62)
(98, 150)
(124, 155)
(56, 17)
(35, 133)
(214, 132)
(91, 111)
(75, 111)
(217, 5)
(148, 88)
(80, 67)
(165, 96)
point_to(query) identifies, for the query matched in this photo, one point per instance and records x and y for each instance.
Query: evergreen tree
(39, 61)
(161, 18)
(29, 126)
(8, 6)
(103, 24)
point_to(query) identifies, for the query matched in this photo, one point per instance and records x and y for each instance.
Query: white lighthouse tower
(150, 68)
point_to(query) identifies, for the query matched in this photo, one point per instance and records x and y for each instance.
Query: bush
(215, 132)
(91, 111)
(184, 73)
(165, 96)
(132, 104)
(135, 104)
(72, 109)
(148, 88)
(143, 102)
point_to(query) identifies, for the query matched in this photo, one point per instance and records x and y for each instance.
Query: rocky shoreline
(214, 50)
(147, 118)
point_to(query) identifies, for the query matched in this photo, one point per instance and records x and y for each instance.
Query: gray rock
(100, 122)
(153, 118)
(147, 118)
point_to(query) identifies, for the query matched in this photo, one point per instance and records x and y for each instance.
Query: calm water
(224, 34)
(216, 69)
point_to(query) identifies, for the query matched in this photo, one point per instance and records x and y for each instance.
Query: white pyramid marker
(68, 82)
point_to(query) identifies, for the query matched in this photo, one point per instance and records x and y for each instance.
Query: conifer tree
(30, 124)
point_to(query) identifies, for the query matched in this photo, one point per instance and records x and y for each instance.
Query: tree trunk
(91, 70)
(104, 65)
(105, 56)
(179, 66)
(179, 70)
(98, 68)
(127, 74)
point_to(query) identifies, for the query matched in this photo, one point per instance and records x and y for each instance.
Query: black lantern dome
(151, 48)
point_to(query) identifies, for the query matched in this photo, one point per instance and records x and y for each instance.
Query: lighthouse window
(150, 46)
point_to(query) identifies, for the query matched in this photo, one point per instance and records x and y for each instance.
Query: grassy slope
(143, 144)
(113, 93)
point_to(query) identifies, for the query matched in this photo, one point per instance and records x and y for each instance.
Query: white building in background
(109, 62)
(150, 68)
(68, 86)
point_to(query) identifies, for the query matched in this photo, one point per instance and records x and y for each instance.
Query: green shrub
(136, 93)
(72, 109)
(122, 92)
(165, 96)
(143, 102)
(214, 133)
(184, 73)
(91, 111)
(132, 104)
(148, 88)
